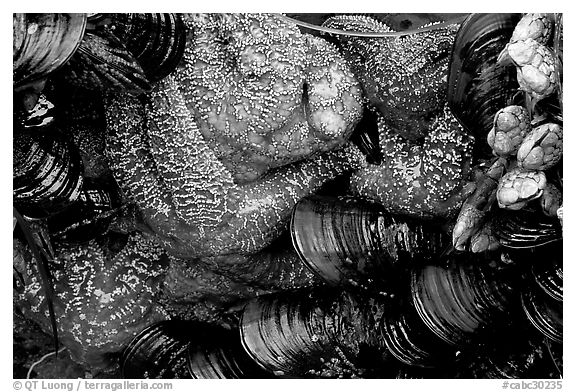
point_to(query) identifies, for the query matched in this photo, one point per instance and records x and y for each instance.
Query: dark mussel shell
(549, 277)
(156, 40)
(90, 215)
(317, 334)
(47, 173)
(542, 299)
(477, 86)
(459, 301)
(187, 349)
(525, 229)
(544, 313)
(410, 340)
(222, 358)
(102, 63)
(159, 351)
(43, 43)
(351, 241)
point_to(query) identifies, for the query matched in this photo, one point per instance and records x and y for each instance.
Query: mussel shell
(525, 229)
(222, 358)
(298, 334)
(477, 86)
(349, 241)
(410, 341)
(367, 138)
(89, 216)
(544, 313)
(156, 40)
(43, 43)
(159, 351)
(459, 301)
(549, 277)
(47, 173)
(103, 63)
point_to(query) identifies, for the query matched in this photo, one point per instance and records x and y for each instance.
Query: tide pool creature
(104, 295)
(216, 156)
(423, 180)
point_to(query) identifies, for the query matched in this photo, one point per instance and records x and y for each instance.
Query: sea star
(404, 77)
(186, 194)
(263, 94)
(422, 180)
(103, 299)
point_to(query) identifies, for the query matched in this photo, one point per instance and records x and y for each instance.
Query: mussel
(103, 63)
(410, 340)
(315, 334)
(544, 313)
(186, 349)
(525, 228)
(43, 43)
(351, 241)
(155, 40)
(542, 298)
(461, 301)
(159, 351)
(90, 215)
(47, 173)
(477, 86)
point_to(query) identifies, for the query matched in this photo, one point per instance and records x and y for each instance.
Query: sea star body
(422, 180)
(186, 194)
(263, 94)
(218, 152)
(103, 299)
(404, 77)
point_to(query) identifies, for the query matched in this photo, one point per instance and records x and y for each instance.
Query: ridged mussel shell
(548, 274)
(410, 340)
(90, 215)
(314, 334)
(156, 40)
(460, 300)
(349, 241)
(222, 358)
(43, 43)
(477, 86)
(159, 351)
(525, 229)
(47, 173)
(102, 63)
(542, 298)
(187, 349)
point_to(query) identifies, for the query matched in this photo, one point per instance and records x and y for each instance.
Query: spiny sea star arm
(196, 179)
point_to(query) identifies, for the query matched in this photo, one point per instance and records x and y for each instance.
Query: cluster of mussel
(59, 171)
(394, 305)
(400, 297)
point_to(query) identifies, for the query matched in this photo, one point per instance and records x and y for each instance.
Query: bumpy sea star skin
(265, 95)
(186, 195)
(404, 77)
(424, 181)
(102, 299)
